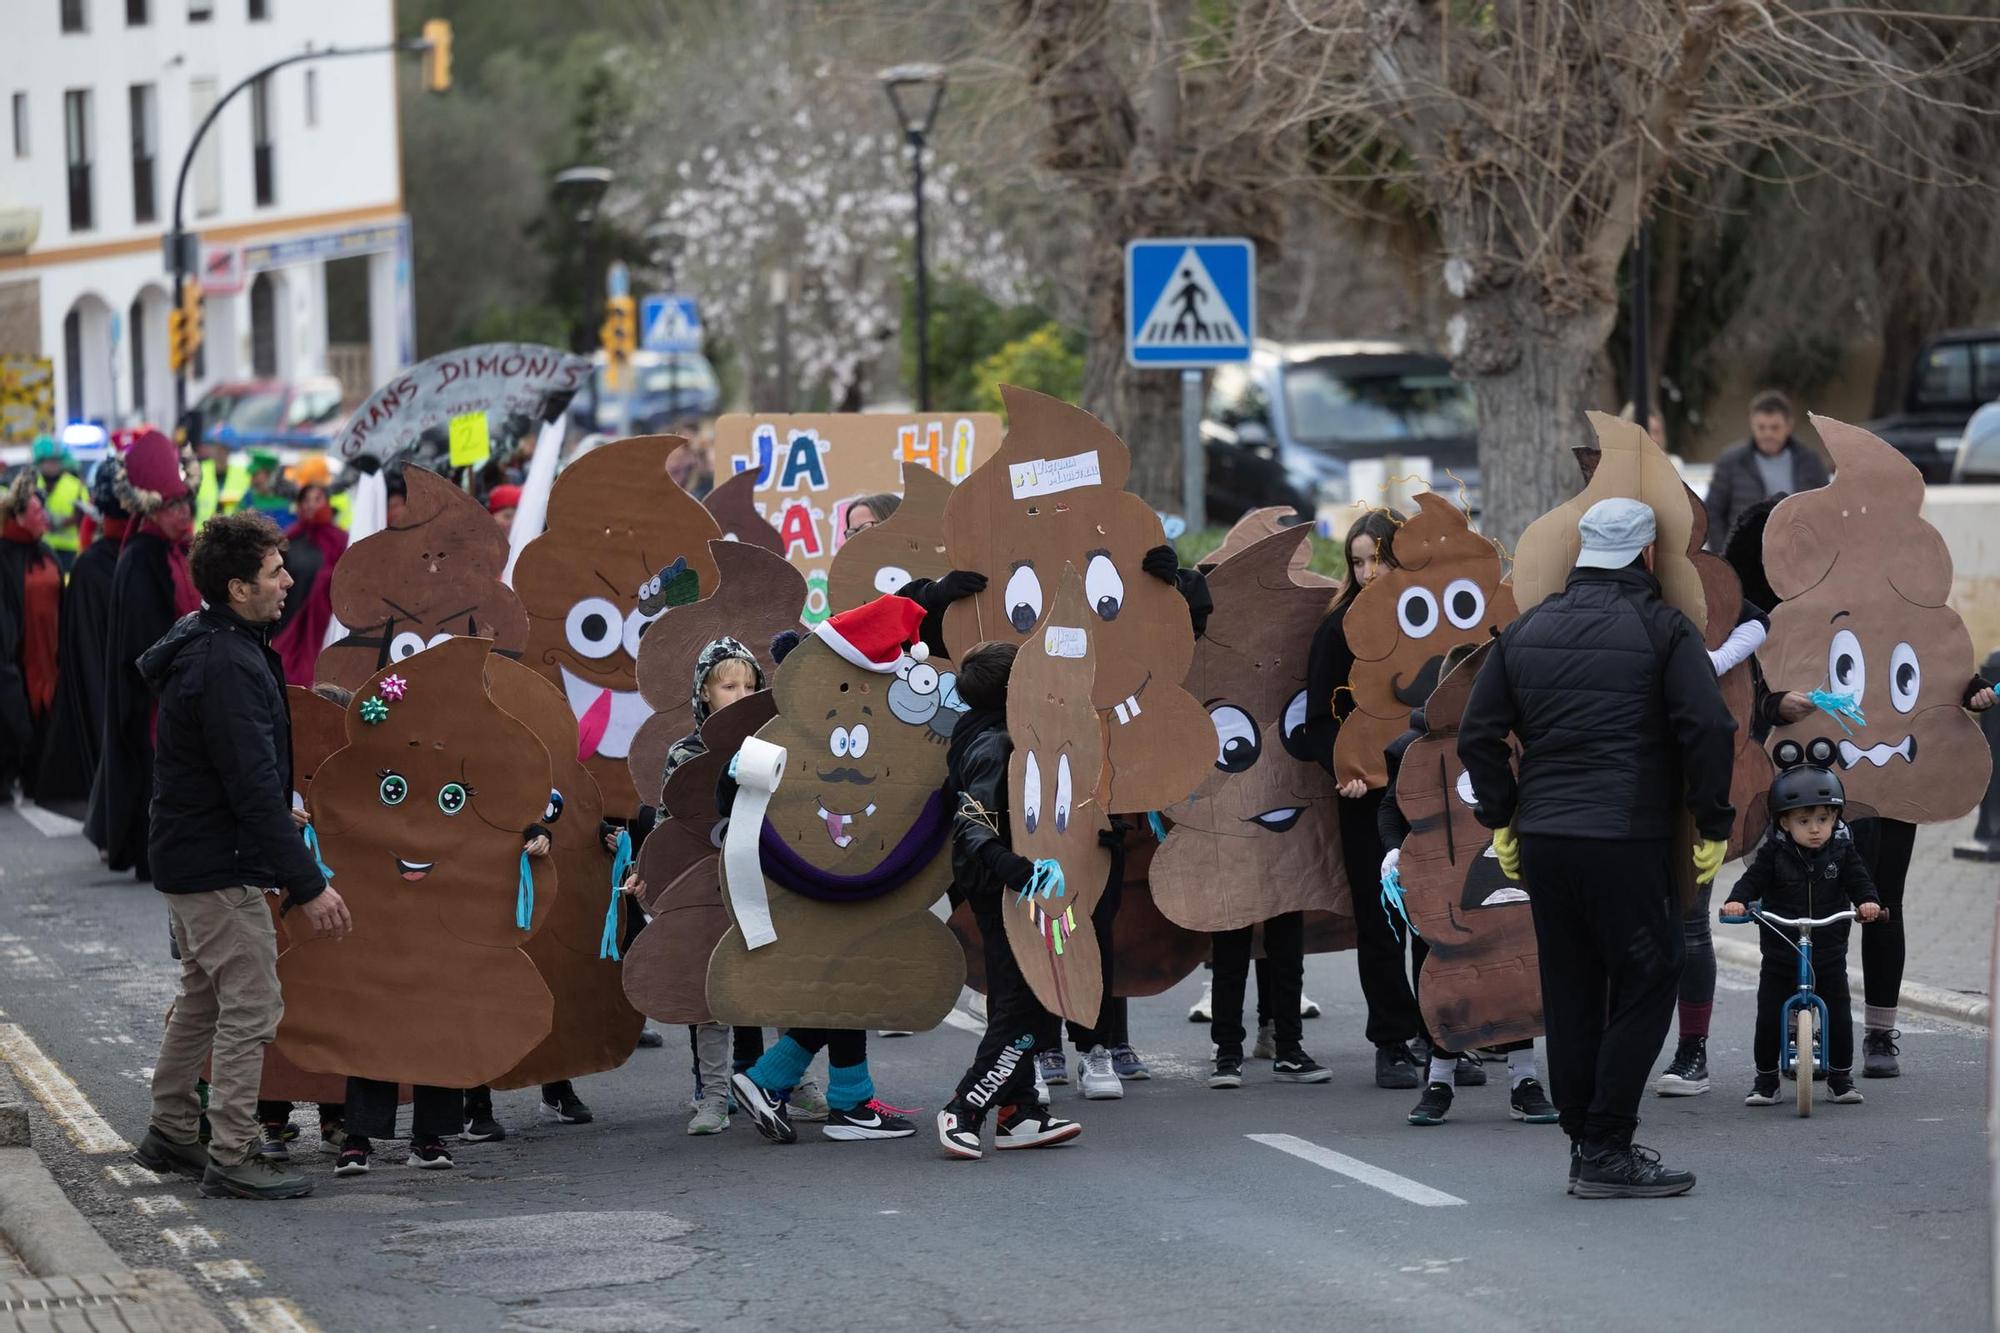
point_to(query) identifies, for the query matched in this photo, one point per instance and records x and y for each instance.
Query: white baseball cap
(1614, 531)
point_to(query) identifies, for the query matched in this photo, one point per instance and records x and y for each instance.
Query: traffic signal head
(620, 331)
(437, 55)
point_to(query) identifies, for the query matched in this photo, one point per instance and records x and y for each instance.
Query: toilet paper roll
(758, 767)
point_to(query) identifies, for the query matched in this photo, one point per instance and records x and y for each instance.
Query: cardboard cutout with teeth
(1054, 496)
(615, 519)
(1443, 590)
(1481, 984)
(431, 577)
(1260, 836)
(1864, 581)
(421, 818)
(907, 545)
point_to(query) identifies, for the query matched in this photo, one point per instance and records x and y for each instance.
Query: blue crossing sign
(669, 323)
(1190, 302)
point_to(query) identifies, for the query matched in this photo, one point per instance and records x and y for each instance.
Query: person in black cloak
(150, 589)
(76, 728)
(30, 615)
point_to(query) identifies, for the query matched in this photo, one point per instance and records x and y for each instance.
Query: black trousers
(269, 1112)
(844, 1046)
(1778, 981)
(1002, 1072)
(1609, 930)
(1281, 976)
(1378, 947)
(371, 1110)
(746, 1046)
(1885, 845)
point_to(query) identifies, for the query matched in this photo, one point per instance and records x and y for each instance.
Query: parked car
(1978, 457)
(1956, 374)
(1284, 428)
(300, 415)
(666, 389)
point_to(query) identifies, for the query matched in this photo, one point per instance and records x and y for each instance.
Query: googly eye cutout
(1417, 612)
(857, 740)
(1464, 603)
(1062, 793)
(1236, 741)
(1846, 666)
(451, 798)
(1294, 732)
(1906, 678)
(553, 810)
(595, 627)
(406, 645)
(838, 742)
(1023, 599)
(891, 578)
(1103, 590)
(1031, 791)
(393, 789)
(1463, 789)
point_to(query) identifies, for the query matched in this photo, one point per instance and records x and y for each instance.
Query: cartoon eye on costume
(553, 810)
(1464, 790)
(1031, 792)
(1845, 666)
(1294, 730)
(636, 625)
(921, 677)
(857, 740)
(594, 627)
(1464, 603)
(1024, 599)
(451, 798)
(1906, 677)
(838, 742)
(393, 788)
(407, 644)
(1062, 793)
(1417, 612)
(1236, 743)
(1102, 587)
(891, 578)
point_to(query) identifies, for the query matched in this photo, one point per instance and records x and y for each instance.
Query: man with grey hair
(1621, 726)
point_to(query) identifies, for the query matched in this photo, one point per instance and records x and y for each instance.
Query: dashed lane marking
(48, 823)
(133, 1177)
(62, 1099)
(220, 1273)
(270, 1314)
(187, 1240)
(1410, 1191)
(160, 1205)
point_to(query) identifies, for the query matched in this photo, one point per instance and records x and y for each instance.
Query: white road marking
(62, 1099)
(219, 1273)
(271, 1314)
(189, 1239)
(132, 1177)
(48, 823)
(159, 1205)
(1410, 1191)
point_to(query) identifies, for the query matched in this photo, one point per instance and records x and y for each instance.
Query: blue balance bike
(1805, 1013)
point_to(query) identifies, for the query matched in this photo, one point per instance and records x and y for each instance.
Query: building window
(135, 333)
(207, 157)
(312, 99)
(259, 10)
(262, 153)
(73, 15)
(20, 124)
(138, 13)
(200, 11)
(76, 132)
(73, 364)
(144, 102)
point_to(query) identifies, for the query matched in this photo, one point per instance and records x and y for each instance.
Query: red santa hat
(874, 636)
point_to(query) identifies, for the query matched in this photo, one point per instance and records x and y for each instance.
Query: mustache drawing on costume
(1865, 621)
(615, 519)
(1480, 984)
(421, 816)
(431, 577)
(906, 546)
(1444, 589)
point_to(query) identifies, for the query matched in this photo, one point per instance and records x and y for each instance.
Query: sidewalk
(1948, 921)
(56, 1273)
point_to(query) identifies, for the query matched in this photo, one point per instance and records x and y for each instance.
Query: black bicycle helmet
(1803, 786)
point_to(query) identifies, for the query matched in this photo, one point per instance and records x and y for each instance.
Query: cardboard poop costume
(1865, 629)
(615, 519)
(839, 840)
(1444, 589)
(1481, 984)
(434, 575)
(421, 816)
(906, 546)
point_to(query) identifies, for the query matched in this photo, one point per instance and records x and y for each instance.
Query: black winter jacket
(1389, 821)
(1736, 485)
(1618, 713)
(222, 767)
(1792, 881)
(982, 862)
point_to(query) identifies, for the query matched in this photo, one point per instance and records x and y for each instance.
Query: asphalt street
(1276, 1206)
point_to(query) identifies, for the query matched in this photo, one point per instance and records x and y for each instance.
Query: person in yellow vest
(63, 497)
(214, 463)
(315, 470)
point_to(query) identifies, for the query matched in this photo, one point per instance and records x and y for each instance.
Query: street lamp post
(581, 189)
(916, 116)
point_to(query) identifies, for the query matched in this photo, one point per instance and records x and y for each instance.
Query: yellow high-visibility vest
(61, 500)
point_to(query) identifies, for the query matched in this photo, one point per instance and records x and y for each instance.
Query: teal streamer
(524, 898)
(1047, 881)
(1392, 901)
(1157, 825)
(621, 863)
(1842, 707)
(621, 859)
(312, 845)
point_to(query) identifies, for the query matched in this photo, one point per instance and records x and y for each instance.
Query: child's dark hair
(231, 546)
(984, 672)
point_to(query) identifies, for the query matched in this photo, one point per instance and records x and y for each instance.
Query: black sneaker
(481, 1127)
(429, 1155)
(1840, 1088)
(274, 1143)
(1433, 1106)
(1530, 1105)
(353, 1159)
(566, 1109)
(1228, 1072)
(1687, 1073)
(1298, 1067)
(1031, 1127)
(164, 1156)
(1630, 1172)
(1764, 1092)
(257, 1178)
(649, 1040)
(870, 1120)
(1575, 1164)
(332, 1136)
(768, 1111)
(1396, 1068)
(1879, 1051)
(958, 1133)
(1469, 1072)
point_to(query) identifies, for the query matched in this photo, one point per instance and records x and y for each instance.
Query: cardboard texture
(1751, 773)
(866, 829)
(433, 576)
(1054, 496)
(752, 596)
(810, 466)
(734, 506)
(420, 816)
(908, 545)
(1258, 524)
(1445, 589)
(594, 1028)
(1259, 836)
(615, 519)
(1481, 984)
(1864, 581)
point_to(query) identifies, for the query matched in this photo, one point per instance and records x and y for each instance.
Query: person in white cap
(1621, 725)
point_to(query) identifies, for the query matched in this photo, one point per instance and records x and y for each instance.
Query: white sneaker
(1308, 1008)
(711, 1116)
(1094, 1074)
(1202, 1010)
(1266, 1045)
(1041, 1087)
(1031, 1129)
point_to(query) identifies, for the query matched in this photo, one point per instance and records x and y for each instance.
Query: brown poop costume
(1481, 983)
(907, 545)
(1864, 581)
(434, 575)
(421, 816)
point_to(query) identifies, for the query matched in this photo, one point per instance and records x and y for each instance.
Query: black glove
(959, 585)
(1162, 563)
(1020, 873)
(1111, 838)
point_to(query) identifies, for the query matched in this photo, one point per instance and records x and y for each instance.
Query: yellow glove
(1708, 858)
(1507, 848)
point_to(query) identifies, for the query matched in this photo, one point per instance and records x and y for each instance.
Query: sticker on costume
(1063, 641)
(1048, 476)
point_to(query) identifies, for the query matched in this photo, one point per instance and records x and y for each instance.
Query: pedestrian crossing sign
(669, 323)
(1190, 302)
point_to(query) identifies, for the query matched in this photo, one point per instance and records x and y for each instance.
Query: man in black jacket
(1767, 464)
(1621, 725)
(223, 835)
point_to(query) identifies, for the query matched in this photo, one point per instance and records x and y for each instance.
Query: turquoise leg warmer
(849, 1086)
(780, 1068)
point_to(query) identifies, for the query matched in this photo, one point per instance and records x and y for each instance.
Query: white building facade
(295, 194)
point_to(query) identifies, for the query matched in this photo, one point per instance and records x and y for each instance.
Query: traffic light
(184, 329)
(437, 55)
(619, 334)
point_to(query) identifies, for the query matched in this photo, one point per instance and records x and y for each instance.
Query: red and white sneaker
(958, 1135)
(1034, 1128)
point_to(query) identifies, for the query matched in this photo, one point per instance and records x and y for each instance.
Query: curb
(1931, 1001)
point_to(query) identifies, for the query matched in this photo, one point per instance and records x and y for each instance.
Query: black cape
(76, 725)
(21, 730)
(121, 797)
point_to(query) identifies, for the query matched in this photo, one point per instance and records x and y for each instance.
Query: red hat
(503, 497)
(154, 472)
(874, 636)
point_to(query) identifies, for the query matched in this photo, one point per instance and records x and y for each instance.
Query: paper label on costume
(471, 445)
(1047, 476)
(1064, 641)
(759, 767)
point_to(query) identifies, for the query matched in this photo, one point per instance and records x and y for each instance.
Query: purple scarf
(790, 870)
